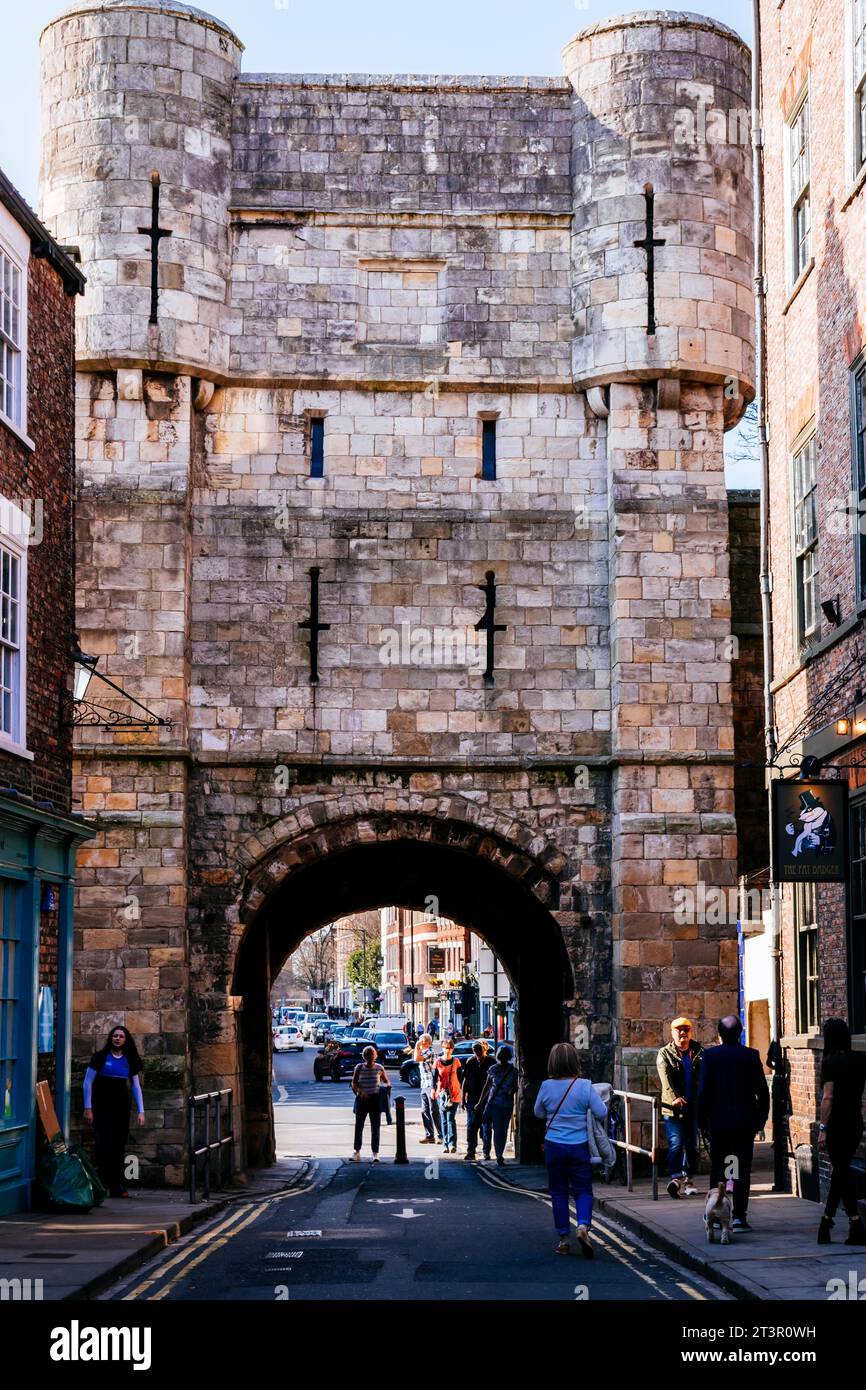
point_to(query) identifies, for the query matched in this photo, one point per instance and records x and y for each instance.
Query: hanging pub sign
(809, 822)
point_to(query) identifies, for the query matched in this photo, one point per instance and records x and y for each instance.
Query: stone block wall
(407, 258)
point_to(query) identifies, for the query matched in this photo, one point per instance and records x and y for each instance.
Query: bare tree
(313, 961)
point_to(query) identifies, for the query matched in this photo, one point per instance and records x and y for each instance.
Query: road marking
(493, 1181)
(301, 1235)
(210, 1241)
(284, 1255)
(395, 1201)
(407, 1214)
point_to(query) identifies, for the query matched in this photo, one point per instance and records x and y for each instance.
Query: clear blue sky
(446, 36)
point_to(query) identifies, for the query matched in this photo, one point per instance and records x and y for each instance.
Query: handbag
(557, 1110)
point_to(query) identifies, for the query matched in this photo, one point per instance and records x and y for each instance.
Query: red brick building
(813, 103)
(38, 834)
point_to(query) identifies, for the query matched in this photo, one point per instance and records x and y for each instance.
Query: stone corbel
(598, 400)
(202, 394)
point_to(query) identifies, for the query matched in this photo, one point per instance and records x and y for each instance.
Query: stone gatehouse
(424, 353)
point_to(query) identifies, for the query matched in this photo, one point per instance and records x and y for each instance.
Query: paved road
(438, 1228)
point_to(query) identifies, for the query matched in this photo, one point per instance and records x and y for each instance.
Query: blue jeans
(449, 1125)
(569, 1169)
(499, 1118)
(474, 1125)
(682, 1136)
(430, 1115)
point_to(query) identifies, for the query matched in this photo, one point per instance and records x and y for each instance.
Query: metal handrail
(224, 1140)
(629, 1148)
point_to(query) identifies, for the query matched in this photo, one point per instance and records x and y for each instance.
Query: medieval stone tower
(423, 353)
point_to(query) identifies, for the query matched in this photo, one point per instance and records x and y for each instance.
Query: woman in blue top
(564, 1102)
(107, 1082)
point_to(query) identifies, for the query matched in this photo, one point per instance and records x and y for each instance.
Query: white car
(288, 1038)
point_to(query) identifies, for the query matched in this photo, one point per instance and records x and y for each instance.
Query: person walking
(496, 1102)
(368, 1080)
(113, 1072)
(447, 1092)
(733, 1105)
(843, 1077)
(425, 1057)
(679, 1069)
(473, 1078)
(567, 1102)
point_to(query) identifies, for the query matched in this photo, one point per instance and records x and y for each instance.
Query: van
(386, 1023)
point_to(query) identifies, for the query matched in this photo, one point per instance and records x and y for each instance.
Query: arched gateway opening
(475, 877)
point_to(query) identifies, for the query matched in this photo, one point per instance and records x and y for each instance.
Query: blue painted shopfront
(37, 850)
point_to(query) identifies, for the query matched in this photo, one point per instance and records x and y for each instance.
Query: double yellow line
(626, 1252)
(203, 1246)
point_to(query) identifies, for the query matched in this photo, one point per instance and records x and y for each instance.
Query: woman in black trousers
(114, 1070)
(843, 1075)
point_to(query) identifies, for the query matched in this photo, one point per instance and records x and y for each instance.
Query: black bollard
(401, 1155)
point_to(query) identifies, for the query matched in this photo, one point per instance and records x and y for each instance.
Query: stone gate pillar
(130, 92)
(662, 266)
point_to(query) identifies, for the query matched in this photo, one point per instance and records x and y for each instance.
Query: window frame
(14, 538)
(812, 551)
(856, 83)
(489, 447)
(807, 967)
(15, 247)
(799, 192)
(316, 443)
(858, 474)
(857, 916)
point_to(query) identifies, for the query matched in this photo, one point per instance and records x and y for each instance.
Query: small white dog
(719, 1212)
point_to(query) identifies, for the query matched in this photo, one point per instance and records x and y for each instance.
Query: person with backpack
(447, 1093)
(843, 1077)
(496, 1102)
(568, 1104)
(114, 1072)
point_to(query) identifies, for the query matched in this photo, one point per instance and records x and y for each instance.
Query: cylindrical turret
(662, 241)
(133, 88)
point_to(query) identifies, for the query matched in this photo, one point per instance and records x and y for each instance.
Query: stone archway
(494, 885)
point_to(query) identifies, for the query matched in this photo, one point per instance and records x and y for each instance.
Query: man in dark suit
(733, 1105)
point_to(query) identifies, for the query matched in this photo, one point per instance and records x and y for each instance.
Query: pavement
(77, 1257)
(778, 1260)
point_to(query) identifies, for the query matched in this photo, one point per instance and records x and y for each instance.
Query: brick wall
(41, 480)
(816, 329)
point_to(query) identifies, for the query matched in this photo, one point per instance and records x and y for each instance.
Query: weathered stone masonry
(407, 257)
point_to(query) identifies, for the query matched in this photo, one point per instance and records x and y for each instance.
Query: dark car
(391, 1047)
(338, 1063)
(410, 1072)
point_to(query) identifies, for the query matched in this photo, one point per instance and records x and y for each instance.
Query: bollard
(401, 1155)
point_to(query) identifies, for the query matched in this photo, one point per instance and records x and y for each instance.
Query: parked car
(391, 1047)
(310, 1022)
(362, 1031)
(288, 1038)
(339, 1063)
(410, 1072)
(327, 1029)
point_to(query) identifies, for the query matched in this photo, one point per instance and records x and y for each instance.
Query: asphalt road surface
(438, 1228)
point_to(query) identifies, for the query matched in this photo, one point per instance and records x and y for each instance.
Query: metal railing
(210, 1105)
(629, 1148)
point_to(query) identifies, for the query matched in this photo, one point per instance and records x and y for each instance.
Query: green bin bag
(63, 1182)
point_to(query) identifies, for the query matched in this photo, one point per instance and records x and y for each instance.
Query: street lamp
(90, 712)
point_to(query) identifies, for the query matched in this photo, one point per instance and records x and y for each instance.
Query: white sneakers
(356, 1158)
